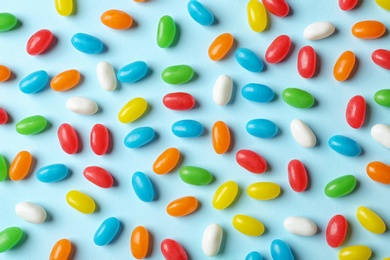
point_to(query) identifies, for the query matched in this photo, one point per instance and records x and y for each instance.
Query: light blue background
(326, 118)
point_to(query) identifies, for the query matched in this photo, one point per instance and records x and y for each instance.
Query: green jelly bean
(9, 237)
(31, 125)
(3, 168)
(340, 186)
(298, 98)
(382, 97)
(166, 31)
(195, 175)
(7, 21)
(177, 74)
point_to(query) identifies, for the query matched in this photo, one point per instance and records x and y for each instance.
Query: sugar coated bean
(106, 75)
(143, 187)
(280, 250)
(3, 168)
(64, 7)
(254, 255)
(248, 225)
(257, 16)
(336, 230)
(222, 91)
(225, 195)
(221, 46)
(100, 139)
(34, 82)
(212, 239)
(132, 110)
(277, 7)
(220, 137)
(98, 176)
(177, 74)
(30, 212)
(9, 237)
(307, 62)
(62, 249)
(278, 49)
(187, 128)
(347, 5)
(195, 175)
(340, 186)
(379, 172)
(257, 93)
(166, 31)
(116, 19)
(200, 13)
(248, 59)
(31, 125)
(384, 4)
(382, 97)
(179, 101)
(302, 133)
(172, 250)
(140, 242)
(5, 73)
(263, 190)
(182, 206)
(82, 105)
(65, 80)
(139, 137)
(356, 111)
(80, 202)
(52, 173)
(251, 161)
(344, 66)
(297, 175)
(298, 98)
(132, 72)
(369, 29)
(7, 21)
(166, 161)
(360, 252)
(20, 166)
(318, 30)
(300, 226)
(262, 128)
(86, 43)
(39, 42)
(370, 220)
(107, 231)
(344, 145)
(381, 58)
(68, 138)
(3, 116)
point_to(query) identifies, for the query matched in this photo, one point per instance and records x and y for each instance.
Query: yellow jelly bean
(64, 7)
(248, 225)
(132, 110)
(385, 4)
(80, 201)
(370, 220)
(257, 15)
(225, 195)
(355, 252)
(263, 190)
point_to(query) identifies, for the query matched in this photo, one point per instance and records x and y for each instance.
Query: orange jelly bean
(139, 242)
(166, 161)
(379, 172)
(220, 46)
(65, 80)
(220, 137)
(20, 166)
(116, 19)
(61, 250)
(369, 29)
(344, 66)
(182, 206)
(5, 73)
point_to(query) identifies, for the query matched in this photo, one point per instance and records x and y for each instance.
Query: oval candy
(62, 249)
(318, 31)
(98, 176)
(251, 161)
(5, 73)
(344, 145)
(368, 29)
(139, 137)
(182, 206)
(116, 19)
(64, 7)
(31, 125)
(257, 93)
(370, 220)
(195, 175)
(82, 105)
(200, 13)
(263, 190)
(87, 44)
(140, 242)
(166, 31)
(166, 161)
(172, 250)
(222, 90)
(132, 110)
(100, 139)
(356, 111)
(212, 239)
(298, 98)
(280, 250)
(360, 252)
(132, 72)
(340, 186)
(347, 5)
(80, 202)
(179, 101)
(248, 225)
(143, 187)
(65, 80)
(344, 66)
(220, 136)
(262, 128)
(30, 212)
(3, 116)
(221, 46)
(68, 138)
(3, 169)
(382, 97)
(302, 133)
(379, 172)
(106, 75)
(39, 42)
(384, 4)
(277, 7)
(381, 58)
(278, 49)
(297, 175)
(107, 231)
(7, 21)
(254, 255)
(336, 230)
(52, 173)
(225, 195)
(257, 16)
(300, 226)
(34, 82)
(248, 59)
(10, 237)
(187, 128)
(20, 166)
(307, 62)
(177, 74)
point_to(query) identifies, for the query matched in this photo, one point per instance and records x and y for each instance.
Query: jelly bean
(98, 176)
(280, 250)
(5, 73)
(172, 250)
(277, 7)
(182, 206)
(10, 237)
(3, 168)
(62, 249)
(248, 59)
(251, 161)
(278, 49)
(222, 91)
(384, 4)
(139, 137)
(20, 166)
(7, 21)
(166, 161)
(225, 195)
(179, 101)
(369, 29)
(381, 58)
(30, 212)
(336, 230)
(100, 139)
(220, 136)
(221, 46)
(132, 72)
(347, 5)
(39, 42)
(302, 133)
(257, 93)
(344, 145)
(34, 82)
(106, 75)
(340, 186)
(177, 74)
(382, 97)
(257, 16)
(254, 256)
(200, 13)
(3, 116)
(300, 226)
(64, 7)
(140, 242)
(107, 231)
(86, 43)
(298, 98)
(195, 175)
(132, 110)
(355, 252)
(248, 225)
(344, 65)
(80, 202)
(263, 190)
(52, 173)
(212, 239)
(379, 172)
(166, 31)
(31, 125)
(356, 111)
(68, 138)
(187, 128)
(142, 187)
(297, 175)
(318, 31)
(262, 128)
(307, 62)
(370, 220)
(82, 105)
(65, 80)
(116, 19)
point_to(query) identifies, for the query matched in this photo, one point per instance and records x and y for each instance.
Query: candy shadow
(74, 11)
(156, 191)
(111, 143)
(308, 180)
(232, 140)
(21, 241)
(358, 4)
(81, 81)
(10, 119)
(48, 126)
(318, 65)
(223, 243)
(17, 25)
(32, 167)
(120, 230)
(134, 25)
(368, 115)
(269, 22)
(234, 93)
(97, 207)
(70, 173)
(235, 201)
(11, 77)
(149, 73)
(73, 251)
(355, 68)
(290, 52)
(49, 217)
(194, 78)
(79, 139)
(52, 45)
(104, 50)
(150, 248)
(115, 183)
(177, 36)
(349, 233)
(215, 22)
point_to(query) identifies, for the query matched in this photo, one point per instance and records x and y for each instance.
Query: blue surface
(326, 118)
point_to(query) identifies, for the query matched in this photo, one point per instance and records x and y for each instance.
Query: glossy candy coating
(68, 138)
(369, 29)
(277, 7)
(177, 74)
(278, 49)
(307, 62)
(381, 134)
(336, 230)
(262, 128)
(302, 133)
(382, 97)
(61, 250)
(182, 206)
(344, 65)
(300, 226)
(9, 237)
(132, 72)
(254, 255)
(143, 187)
(172, 250)
(187, 128)
(7, 21)
(280, 250)
(195, 175)
(100, 139)
(166, 31)
(106, 75)
(318, 31)
(20, 166)
(220, 137)
(98, 176)
(381, 57)
(212, 239)
(221, 46)
(298, 98)
(248, 59)
(39, 42)
(257, 93)
(360, 252)
(139, 137)
(340, 186)
(86, 43)
(65, 80)
(166, 161)
(344, 145)
(64, 7)
(248, 225)
(179, 101)
(52, 173)
(34, 82)
(3, 168)
(132, 110)
(200, 13)
(222, 90)
(370, 220)
(31, 125)
(347, 5)
(82, 105)
(379, 172)
(139, 242)
(384, 4)
(297, 175)
(3, 116)
(30, 212)
(225, 195)
(5, 73)
(116, 19)
(263, 190)
(251, 161)
(80, 202)
(257, 16)
(356, 111)
(107, 231)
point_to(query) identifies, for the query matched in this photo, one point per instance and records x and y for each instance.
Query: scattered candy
(307, 62)
(143, 187)
(140, 242)
(355, 252)
(248, 225)
(177, 74)
(98, 176)
(34, 82)
(65, 80)
(212, 239)
(381, 58)
(262, 128)
(132, 72)
(251, 161)
(82, 105)
(280, 250)
(277, 7)
(7, 21)
(100, 139)
(61, 250)
(344, 145)
(278, 49)
(195, 175)
(187, 128)
(257, 93)
(64, 7)
(5, 73)
(86, 43)
(179, 101)
(370, 220)
(225, 195)
(20, 166)
(318, 31)
(52, 173)
(200, 13)
(39, 42)
(298, 98)
(347, 5)
(382, 97)
(139, 137)
(379, 172)
(106, 75)
(220, 135)
(263, 190)
(222, 91)
(116, 19)
(3, 169)
(30, 212)
(297, 175)
(257, 16)
(221, 46)
(68, 138)
(166, 161)
(132, 110)
(344, 65)
(336, 230)
(248, 59)
(182, 206)
(302, 133)
(10, 237)
(31, 125)
(80, 202)
(356, 111)
(369, 29)
(172, 250)
(340, 186)
(300, 226)
(107, 231)
(166, 31)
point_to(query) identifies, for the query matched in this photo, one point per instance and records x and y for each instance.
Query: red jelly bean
(336, 230)
(356, 111)
(307, 59)
(278, 49)
(100, 139)
(3, 116)
(381, 58)
(251, 161)
(39, 42)
(172, 250)
(68, 138)
(98, 176)
(297, 175)
(179, 101)
(277, 7)
(347, 5)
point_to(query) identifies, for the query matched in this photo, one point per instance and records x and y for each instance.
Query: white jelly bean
(106, 75)
(222, 91)
(302, 133)
(82, 105)
(300, 226)
(30, 212)
(212, 238)
(381, 134)
(318, 30)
